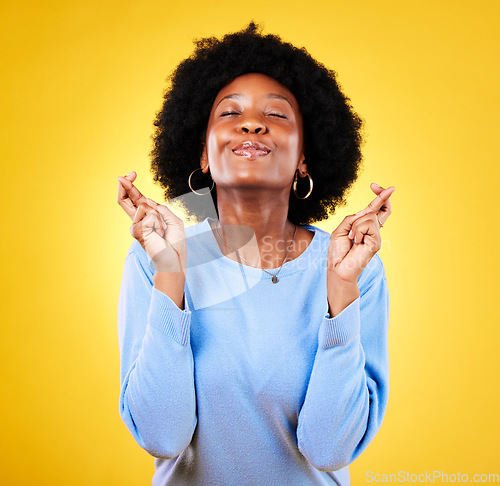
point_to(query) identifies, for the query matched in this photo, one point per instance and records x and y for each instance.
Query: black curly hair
(332, 129)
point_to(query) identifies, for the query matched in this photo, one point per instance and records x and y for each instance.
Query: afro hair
(332, 129)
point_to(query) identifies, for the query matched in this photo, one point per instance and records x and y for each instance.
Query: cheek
(217, 136)
(217, 152)
(292, 139)
(215, 145)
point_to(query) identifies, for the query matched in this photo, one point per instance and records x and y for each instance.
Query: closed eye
(227, 113)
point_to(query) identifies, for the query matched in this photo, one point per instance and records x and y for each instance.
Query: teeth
(252, 146)
(253, 153)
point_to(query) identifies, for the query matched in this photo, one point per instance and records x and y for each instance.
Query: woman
(254, 345)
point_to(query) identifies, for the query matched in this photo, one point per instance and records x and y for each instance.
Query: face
(254, 135)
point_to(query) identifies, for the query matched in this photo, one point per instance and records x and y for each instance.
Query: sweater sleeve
(157, 393)
(348, 390)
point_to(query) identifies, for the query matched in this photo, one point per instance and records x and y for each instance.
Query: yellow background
(80, 85)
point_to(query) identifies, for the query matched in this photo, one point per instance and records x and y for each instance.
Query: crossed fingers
(381, 206)
(129, 197)
(369, 220)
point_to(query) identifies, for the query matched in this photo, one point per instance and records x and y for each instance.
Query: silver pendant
(274, 279)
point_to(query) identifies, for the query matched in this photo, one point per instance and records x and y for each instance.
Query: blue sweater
(253, 383)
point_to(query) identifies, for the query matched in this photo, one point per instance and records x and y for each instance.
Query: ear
(204, 159)
(302, 166)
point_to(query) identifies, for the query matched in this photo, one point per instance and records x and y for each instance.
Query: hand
(357, 238)
(159, 231)
(129, 197)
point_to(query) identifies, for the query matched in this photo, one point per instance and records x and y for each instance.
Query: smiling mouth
(251, 150)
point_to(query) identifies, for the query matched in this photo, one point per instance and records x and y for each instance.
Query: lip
(251, 149)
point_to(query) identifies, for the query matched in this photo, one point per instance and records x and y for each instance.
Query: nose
(251, 124)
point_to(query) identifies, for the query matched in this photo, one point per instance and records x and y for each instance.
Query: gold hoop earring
(295, 186)
(199, 193)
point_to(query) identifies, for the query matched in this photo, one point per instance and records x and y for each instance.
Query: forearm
(340, 293)
(348, 390)
(334, 415)
(158, 402)
(171, 284)
(157, 398)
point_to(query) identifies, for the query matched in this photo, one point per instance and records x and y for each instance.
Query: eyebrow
(270, 95)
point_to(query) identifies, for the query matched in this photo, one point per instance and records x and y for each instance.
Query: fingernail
(129, 174)
(377, 185)
(152, 202)
(350, 234)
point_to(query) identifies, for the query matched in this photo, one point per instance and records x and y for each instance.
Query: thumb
(344, 227)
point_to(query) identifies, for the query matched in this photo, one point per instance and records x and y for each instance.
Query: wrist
(341, 293)
(172, 285)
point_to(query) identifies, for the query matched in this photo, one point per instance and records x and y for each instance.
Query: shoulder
(197, 230)
(321, 233)
(318, 235)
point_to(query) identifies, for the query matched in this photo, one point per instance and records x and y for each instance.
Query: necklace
(274, 278)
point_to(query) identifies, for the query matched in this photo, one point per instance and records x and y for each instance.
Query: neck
(257, 226)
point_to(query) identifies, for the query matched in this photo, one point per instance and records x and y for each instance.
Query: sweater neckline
(288, 268)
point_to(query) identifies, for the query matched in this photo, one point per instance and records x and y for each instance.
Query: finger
(146, 226)
(146, 220)
(131, 176)
(355, 233)
(364, 228)
(122, 191)
(385, 212)
(379, 202)
(159, 221)
(129, 197)
(146, 208)
(165, 214)
(124, 201)
(376, 188)
(386, 209)
(130, 190)
(156, 222)
(142, 210)
(168, 216)
(345, 226)
(152, 203)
